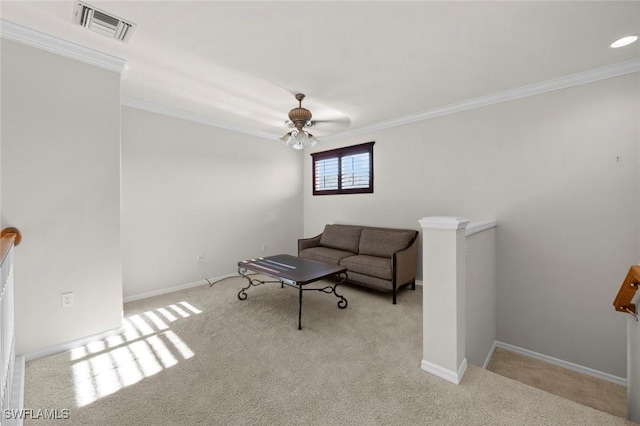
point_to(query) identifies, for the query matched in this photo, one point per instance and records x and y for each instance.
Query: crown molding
(190, 116)
(585, 77)
(610, 71)
(33, 38)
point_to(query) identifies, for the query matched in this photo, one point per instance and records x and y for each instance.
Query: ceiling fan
(299, 118)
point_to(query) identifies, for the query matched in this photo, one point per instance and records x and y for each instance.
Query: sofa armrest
(305, 243)
(405, 263)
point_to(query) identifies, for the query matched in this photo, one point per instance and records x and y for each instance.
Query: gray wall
(61, 188)
(190, 189)
(480, 296)
(558, 171)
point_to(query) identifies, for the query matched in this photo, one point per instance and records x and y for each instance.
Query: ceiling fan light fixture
(299, 140)
(299, 117)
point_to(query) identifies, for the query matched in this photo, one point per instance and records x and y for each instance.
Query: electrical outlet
(264, 247)
(200, 258)
(67, 300)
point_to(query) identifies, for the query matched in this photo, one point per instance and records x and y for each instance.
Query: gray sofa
(379, 258)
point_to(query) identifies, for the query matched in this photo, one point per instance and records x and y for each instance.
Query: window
(346, 170)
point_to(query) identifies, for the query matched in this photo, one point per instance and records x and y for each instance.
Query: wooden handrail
(628, 291)
(9, 237)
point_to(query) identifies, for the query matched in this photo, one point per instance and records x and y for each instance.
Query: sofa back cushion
(383, 243)
(341, 237)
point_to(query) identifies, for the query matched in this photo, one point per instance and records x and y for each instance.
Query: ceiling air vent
(102, 22)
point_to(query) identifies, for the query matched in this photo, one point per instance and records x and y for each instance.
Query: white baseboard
(67, 346)
(175, 288)
(63, 347)
(490, 354)
(449, 375)
(561, 363)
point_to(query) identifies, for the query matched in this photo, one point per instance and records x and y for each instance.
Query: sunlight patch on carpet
(146, 347)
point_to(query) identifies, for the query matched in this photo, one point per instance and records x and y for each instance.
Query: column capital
(443, 222)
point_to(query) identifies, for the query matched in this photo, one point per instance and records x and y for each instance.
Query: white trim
(449, 375)
(561, 363)
(33, 38)
(492, 349)
(63, 347)
(590, 76)
(30, 37)
(479, 226)
(585, 77)
(196, 118)
(176, 288)
(17, 391)
(443, 222)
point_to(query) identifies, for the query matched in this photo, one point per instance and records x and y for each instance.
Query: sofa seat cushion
(325, 254)
(370, 282)
(369, 265)
(377, 242)
(341, 237)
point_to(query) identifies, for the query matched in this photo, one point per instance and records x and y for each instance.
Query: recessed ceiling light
(624, 41)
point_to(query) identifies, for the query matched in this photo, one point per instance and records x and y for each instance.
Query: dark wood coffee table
(294, 272)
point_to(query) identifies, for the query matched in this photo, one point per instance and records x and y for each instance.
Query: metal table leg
(300, 309)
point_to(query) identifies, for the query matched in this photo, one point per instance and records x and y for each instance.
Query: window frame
(340, 153)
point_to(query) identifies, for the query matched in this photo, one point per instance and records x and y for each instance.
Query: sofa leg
(413, 285)
(395, 290)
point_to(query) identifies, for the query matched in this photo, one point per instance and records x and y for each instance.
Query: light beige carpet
(203, 357)
(587, 390)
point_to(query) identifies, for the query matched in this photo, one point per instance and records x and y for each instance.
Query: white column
(633, 368)
(443, 296)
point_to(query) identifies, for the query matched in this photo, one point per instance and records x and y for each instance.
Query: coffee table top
(284, 266)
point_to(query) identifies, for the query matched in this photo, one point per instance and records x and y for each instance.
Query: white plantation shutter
(327, 174)
(355, 171)
(343, 170)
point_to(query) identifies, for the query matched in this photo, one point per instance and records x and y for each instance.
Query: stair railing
(9, 237)
(627, 292)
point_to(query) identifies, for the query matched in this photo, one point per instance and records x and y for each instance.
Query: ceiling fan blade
(334, 120)
(331, 124)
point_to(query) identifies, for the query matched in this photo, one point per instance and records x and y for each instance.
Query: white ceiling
(358, 62)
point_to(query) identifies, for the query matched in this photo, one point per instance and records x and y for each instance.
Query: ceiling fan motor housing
(299, 116)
